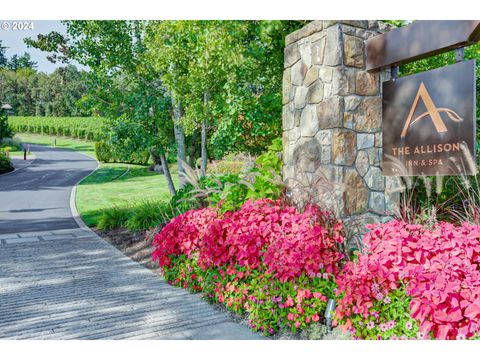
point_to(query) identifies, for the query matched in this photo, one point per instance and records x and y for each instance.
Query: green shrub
(114, 218)
(13, 143)
(142, 215)
(5, 163)
(5, 128)
(103, 151)
(106, 153)
(147, 214)
(263, 181)
(207, 192)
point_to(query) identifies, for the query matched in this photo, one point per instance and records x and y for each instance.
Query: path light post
(328, 314)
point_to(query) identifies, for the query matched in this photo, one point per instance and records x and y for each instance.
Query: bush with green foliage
(142, 215)
(114, 218)
(106, 153)
(5, 128)
(13, 144)
(103, 151)
(5, 163)
(261, 182)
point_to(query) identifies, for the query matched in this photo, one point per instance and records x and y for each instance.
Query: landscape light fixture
(328, 314)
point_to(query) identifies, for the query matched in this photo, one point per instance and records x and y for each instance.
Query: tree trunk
(168, 176)
(192, 150)
(204, 154)
(179, 139)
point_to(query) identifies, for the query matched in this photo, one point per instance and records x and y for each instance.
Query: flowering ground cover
(278, 267)
(413, 282)
(268, 261)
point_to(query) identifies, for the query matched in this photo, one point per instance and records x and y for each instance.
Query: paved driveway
(36, 198)
(71, 284)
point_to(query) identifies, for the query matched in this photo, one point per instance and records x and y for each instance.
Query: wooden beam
(419, 40)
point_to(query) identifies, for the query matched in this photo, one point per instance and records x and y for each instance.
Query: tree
(196, 57)
(227, 77)
(3, 57)
(24, 61)
(35, 93)
(121, 83)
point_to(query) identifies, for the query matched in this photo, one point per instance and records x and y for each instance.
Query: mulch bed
(132, 244)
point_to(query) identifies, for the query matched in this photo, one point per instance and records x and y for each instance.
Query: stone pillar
(332, 121)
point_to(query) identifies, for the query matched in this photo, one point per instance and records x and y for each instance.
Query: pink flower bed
(262, 233)
(269, 260)
(436, 271)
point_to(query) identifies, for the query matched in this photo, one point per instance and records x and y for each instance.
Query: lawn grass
(83, 146)
(112, 185)
(121, 186)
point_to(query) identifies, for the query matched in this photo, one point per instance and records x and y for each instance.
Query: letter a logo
(432, 111)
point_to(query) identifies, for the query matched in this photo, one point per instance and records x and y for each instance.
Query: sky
(13, 40)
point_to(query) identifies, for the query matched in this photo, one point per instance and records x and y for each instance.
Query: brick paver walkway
(70, 284)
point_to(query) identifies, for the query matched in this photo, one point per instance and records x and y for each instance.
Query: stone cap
(318, 25)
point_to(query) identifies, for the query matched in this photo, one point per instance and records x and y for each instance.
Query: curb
(73, 194)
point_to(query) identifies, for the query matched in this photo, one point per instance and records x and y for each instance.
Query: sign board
(429, 122)
(419, 40)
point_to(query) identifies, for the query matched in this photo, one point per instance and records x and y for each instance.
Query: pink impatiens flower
(289, 302)
(409, 325)
(290, 316)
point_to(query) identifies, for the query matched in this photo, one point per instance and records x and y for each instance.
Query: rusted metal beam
(419, 40)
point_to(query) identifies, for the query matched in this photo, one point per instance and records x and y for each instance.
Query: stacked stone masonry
(332, 121)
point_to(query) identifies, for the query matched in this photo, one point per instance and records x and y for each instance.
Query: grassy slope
(111, 185)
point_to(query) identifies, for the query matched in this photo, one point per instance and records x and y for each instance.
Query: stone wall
(332, 121)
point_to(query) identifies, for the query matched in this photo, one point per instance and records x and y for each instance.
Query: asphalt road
(37, 198)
